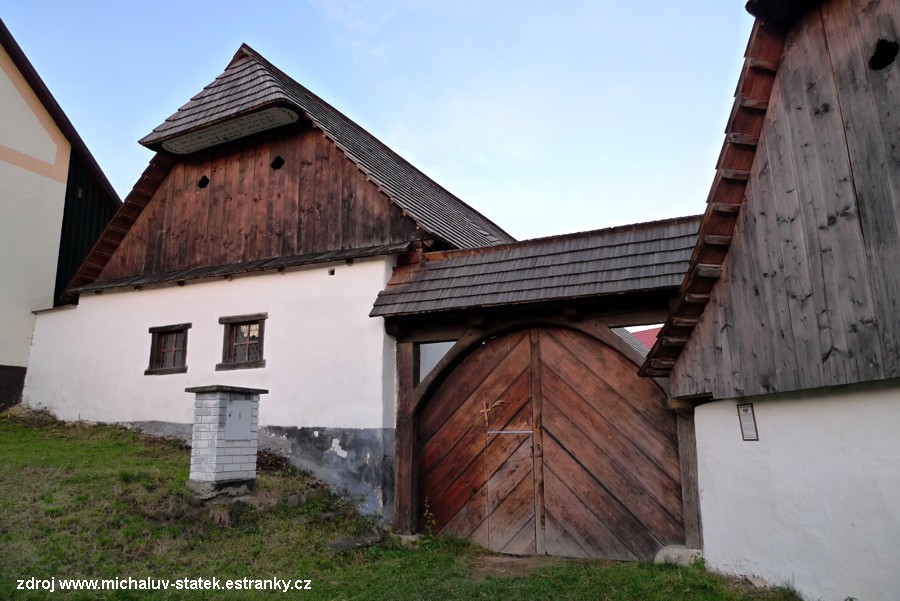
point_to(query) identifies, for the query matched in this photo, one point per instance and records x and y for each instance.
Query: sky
(547, 117)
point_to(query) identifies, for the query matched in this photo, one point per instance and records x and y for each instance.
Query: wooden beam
(479, 321)
(754, 104)
(713, 240)
(405, 501)
(656, 373)
(742, 139)
(726, 207)
(690, 491)
(735, 174)
(760, 64)
(662, 363)
(685, 322)
(696, 298)
(673, 340)
(712, 272)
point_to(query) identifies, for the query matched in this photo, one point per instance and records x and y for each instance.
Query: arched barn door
(546, 441)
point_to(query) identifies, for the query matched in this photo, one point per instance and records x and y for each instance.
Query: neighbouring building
(54, 202)
(249, 253)
(786, 335)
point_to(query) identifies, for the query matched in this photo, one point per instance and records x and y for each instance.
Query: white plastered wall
(34, 158)
(325, 357)
(816, 501)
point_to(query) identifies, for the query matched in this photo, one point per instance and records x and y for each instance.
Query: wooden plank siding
(809, 295)
(317, 201)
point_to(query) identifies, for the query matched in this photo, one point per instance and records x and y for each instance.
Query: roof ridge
(239, 92)
(629, 227)
(246, 50)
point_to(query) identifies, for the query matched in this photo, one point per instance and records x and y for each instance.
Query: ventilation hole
(885, 53)
(204, 181)
(278, 163)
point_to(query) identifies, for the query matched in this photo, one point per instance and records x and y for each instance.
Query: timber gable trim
(726, 197)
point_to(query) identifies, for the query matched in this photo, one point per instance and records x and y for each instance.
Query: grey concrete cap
(224, 388)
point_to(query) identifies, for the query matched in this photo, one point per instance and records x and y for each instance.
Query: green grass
(101, 502)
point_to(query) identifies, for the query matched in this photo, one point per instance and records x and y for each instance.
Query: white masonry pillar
(223, 448)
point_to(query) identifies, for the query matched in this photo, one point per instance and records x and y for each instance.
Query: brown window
(243, 343)
(168, 350)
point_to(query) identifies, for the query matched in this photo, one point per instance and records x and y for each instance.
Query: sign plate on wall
(748, 422)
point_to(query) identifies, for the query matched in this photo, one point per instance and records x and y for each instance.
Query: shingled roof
(253, 95)
(632, 258)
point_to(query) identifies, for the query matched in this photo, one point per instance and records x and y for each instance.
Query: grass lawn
(101, 502)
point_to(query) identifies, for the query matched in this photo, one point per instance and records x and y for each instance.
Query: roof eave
(725, 199)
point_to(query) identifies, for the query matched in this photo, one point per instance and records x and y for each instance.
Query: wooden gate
(547, 441)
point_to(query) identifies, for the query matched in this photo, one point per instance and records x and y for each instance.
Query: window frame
(154, 366)
(230, 323)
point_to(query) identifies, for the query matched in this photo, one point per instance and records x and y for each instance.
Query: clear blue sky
(547, 117)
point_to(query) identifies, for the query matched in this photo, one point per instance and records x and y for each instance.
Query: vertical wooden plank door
(546, 441)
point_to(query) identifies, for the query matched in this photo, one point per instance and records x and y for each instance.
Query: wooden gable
(807, 294)
(339, 187)
(316, 200)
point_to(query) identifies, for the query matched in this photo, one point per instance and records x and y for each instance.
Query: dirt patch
(510, 566)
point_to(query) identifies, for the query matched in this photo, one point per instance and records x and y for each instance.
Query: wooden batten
(727, 194)
(713, 240)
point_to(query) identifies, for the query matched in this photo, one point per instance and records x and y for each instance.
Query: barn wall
(814, 501)
(809, 294)
(329, 367)
(318, 200)
(34, 158)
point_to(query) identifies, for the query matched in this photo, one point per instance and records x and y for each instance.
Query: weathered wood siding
(89, 207)
(317, 201)
(810, 289)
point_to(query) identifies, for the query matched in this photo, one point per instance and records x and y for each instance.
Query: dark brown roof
(725, 199)
(41, 90)
(639, 257)
(279, 263)
(251, 85)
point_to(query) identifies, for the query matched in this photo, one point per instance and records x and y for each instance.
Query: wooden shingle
(626, 259)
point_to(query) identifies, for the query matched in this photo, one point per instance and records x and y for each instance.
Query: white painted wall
(816, 501)
(33, 154)
(325, 357)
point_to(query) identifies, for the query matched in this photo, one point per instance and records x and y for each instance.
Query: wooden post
(405, 452)
(690, 493)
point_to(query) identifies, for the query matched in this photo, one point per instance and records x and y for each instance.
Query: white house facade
(43, 164)
(327, 365)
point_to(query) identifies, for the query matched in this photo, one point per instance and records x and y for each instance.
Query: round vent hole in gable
(885, 53)
(278, 163)
(204, 181)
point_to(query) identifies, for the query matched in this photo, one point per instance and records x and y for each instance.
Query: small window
(168, 350)
(243, 342)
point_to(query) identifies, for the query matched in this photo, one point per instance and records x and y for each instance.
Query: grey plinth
(223, 449)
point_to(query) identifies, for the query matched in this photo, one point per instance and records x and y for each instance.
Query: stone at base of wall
(12, 380)
(231, 488)
(678, 555)
(356, 462)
